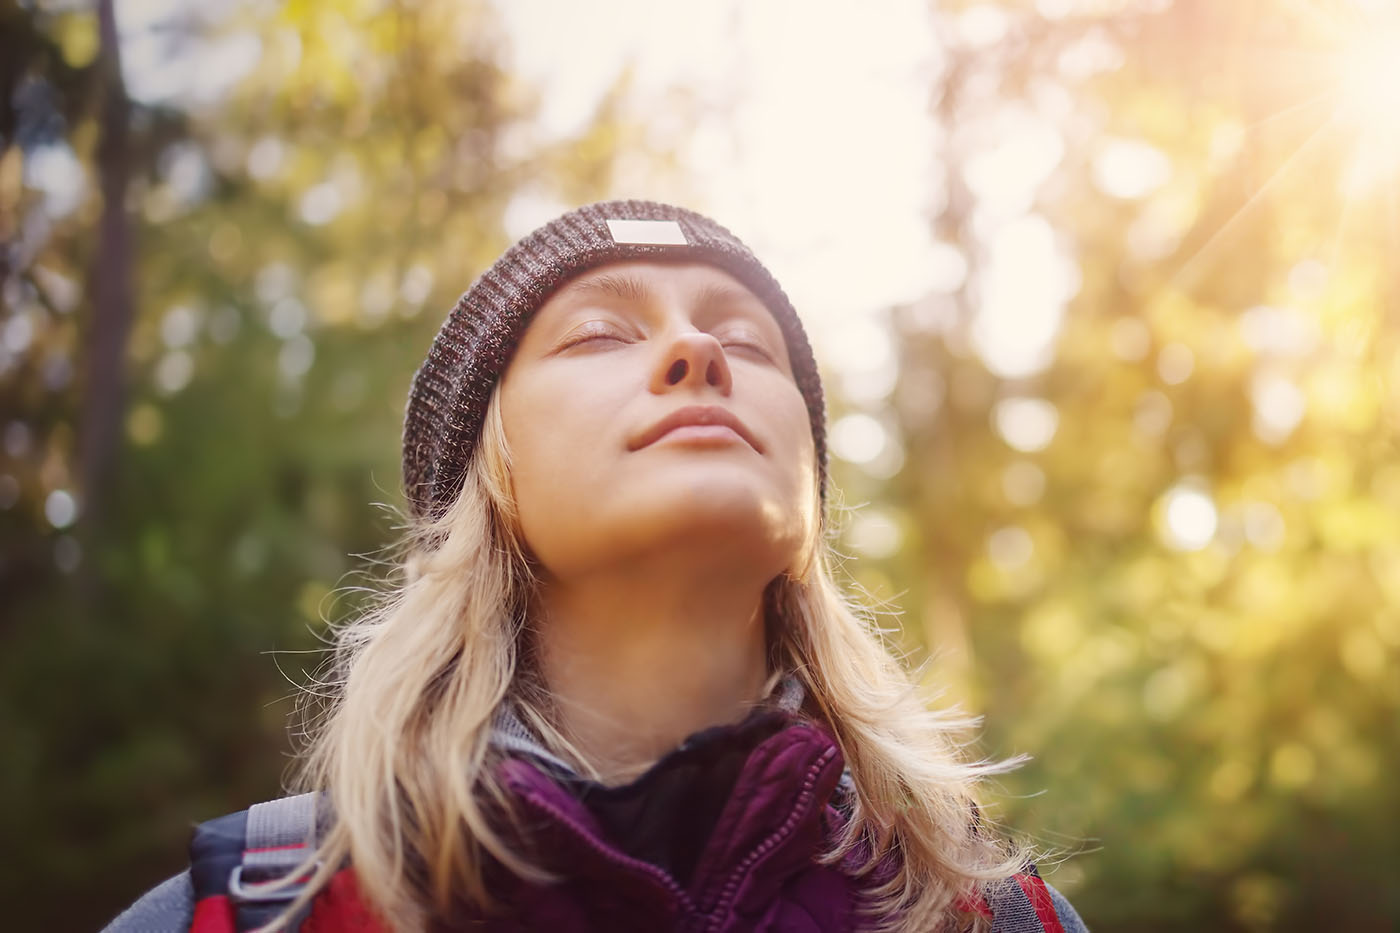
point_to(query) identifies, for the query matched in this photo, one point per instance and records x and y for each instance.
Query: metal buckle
(248, 891)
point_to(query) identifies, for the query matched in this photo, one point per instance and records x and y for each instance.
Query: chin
(726, 514)
(716, 520)
(715, 495)
(710, 518)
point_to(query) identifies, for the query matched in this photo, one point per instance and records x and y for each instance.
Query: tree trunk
(103, 390)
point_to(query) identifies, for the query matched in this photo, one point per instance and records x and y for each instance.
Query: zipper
(731, 884)
(652, 873)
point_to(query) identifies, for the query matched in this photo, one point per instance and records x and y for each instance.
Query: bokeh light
(1103, 294)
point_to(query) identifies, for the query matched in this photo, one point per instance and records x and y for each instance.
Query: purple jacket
(718, 835)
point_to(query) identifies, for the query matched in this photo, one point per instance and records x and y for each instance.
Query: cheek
(808, 493)
(797, 436)
(524, 419)
(532, 436)
(801, 465)
(804, 493)
(559, 452)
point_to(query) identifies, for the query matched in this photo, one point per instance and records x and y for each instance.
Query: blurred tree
(1136, 480)
(301, 181)
(1149, 493)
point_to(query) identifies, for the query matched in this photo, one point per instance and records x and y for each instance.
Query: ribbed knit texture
(450, 391)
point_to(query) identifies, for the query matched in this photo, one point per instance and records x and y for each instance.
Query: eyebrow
(625, 287)
(630, 288)
(713, 293)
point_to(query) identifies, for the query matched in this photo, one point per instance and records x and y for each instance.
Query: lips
(695, 415)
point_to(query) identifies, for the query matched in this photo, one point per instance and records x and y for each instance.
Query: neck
(637, 661)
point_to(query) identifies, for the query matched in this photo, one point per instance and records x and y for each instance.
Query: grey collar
(510, 733)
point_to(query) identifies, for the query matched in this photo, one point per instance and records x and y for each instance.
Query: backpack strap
(1021, 903)
(1033, 886)
(277, 838)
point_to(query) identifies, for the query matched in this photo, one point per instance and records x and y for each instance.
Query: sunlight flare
(1370, 93)
(1371, 78)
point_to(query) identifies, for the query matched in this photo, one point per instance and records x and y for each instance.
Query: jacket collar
(511, 735)
(746, 800)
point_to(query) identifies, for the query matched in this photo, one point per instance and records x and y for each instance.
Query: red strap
(213, 915)
(1039, 896)
(286, 848)
(338, 908)
(974, 904)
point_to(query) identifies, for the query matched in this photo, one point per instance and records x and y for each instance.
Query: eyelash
(588, 336)
(747, 344)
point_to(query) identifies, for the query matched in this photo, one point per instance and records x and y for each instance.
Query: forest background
(1119, 427)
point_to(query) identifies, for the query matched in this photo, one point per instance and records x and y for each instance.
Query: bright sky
(819, 153)
(812, 139)
(813, 142)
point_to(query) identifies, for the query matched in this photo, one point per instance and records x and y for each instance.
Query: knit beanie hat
(450, 391)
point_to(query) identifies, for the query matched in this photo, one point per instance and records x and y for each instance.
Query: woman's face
(650, 410)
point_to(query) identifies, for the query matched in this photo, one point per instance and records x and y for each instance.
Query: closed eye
(591, 333)
(742, 341)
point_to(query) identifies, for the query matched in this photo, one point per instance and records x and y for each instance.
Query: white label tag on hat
(660, 232)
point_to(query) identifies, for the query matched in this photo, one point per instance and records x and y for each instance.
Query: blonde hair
(400, 741)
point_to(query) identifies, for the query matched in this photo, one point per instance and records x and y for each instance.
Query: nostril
(676, 373)
(712, 373)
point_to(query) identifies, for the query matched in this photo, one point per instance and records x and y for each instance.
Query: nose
(692, 359)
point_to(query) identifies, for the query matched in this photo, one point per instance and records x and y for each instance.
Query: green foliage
(1213, 721)
(1212, 716)
(288, 240)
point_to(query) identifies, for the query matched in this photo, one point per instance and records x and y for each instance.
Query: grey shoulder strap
(279, 832)
(279, 835)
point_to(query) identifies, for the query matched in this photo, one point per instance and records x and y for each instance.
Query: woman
(616, 687)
